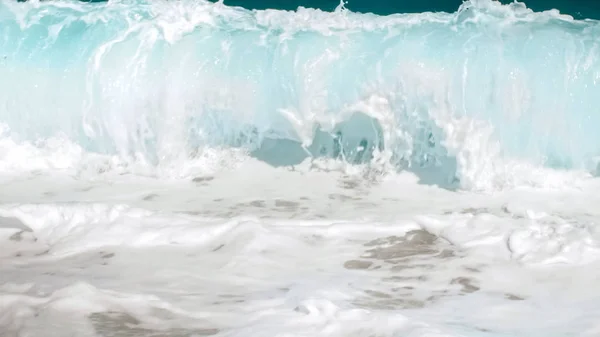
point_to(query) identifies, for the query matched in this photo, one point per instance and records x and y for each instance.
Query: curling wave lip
(479, 98)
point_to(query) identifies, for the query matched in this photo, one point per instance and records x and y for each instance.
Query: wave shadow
(355, 141)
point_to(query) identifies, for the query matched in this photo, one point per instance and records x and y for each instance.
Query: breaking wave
(480, 97)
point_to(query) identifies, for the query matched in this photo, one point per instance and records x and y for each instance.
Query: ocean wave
(481, 97)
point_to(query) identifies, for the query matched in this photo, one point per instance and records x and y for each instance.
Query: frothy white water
(293, 253)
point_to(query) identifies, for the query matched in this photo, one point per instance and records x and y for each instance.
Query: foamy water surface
(291, 253)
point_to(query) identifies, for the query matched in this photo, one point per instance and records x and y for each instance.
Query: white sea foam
(295, 253)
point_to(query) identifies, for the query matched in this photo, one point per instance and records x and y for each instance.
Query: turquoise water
(157, 79)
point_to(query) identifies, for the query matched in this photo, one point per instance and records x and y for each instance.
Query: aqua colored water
(521, 82)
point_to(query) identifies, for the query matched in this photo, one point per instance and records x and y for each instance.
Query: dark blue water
(579, 9)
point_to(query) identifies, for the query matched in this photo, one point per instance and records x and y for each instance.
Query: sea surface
(363, 169)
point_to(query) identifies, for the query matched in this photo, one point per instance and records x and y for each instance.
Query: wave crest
(477, 97)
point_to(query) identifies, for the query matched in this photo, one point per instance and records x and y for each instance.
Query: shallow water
(341, 256)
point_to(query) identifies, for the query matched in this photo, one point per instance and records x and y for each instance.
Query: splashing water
(473, 95)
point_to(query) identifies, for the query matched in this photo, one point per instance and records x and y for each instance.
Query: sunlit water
(193, 169)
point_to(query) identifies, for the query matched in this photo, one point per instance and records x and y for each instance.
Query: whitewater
(188, 168)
